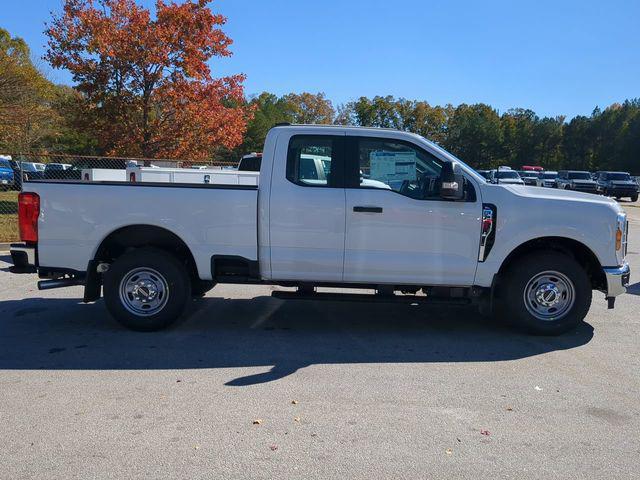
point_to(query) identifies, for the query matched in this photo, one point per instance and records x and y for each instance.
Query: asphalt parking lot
(254, 387)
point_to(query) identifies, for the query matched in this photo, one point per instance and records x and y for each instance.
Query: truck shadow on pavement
(634, 289)
(61, 334)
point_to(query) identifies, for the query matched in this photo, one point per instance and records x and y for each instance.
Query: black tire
(634, 198)
(200, 288)
(165, 273)
(519, 278)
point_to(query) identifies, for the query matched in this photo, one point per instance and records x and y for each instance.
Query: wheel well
(580, 252)
(137, 236)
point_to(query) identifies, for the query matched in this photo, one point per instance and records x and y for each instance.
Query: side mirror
(451, 182)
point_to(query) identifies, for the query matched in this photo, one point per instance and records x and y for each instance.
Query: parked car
(576, 180)
(506, 176)
(529, 177)
(65, 171)
(433, 230)
(486, 174)
(15, 168)
(7, 177)
(529, 168)
(32, 170)
(618, 185)
(547, 179)
(56, 171)
(250, 163)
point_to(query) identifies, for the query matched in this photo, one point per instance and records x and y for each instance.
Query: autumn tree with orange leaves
(147, 90)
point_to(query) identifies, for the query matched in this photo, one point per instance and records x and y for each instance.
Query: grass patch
(9, 217)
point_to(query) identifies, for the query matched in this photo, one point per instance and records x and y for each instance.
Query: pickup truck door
(307, 208)
(398, 229)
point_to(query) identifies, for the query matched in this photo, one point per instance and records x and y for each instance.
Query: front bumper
(617, 280)
(620, 192)
(23, 257)
(584, 188)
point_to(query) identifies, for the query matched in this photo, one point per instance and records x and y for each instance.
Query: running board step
(369, 298)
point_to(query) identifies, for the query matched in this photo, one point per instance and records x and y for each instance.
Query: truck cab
(333, 206)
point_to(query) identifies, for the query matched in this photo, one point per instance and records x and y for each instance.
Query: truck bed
(76, 217)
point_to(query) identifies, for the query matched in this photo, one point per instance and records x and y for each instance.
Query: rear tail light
(28, 213)
(132, 177)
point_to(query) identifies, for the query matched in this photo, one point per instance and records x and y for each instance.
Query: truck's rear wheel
(634, 198)
(146, 289)
(546, 293)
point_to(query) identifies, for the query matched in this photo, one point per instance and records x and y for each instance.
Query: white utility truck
(334, 206)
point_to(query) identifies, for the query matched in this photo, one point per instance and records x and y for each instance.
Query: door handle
(367, 209)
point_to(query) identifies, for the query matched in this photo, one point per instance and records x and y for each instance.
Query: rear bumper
(23, 257)
(617, 280)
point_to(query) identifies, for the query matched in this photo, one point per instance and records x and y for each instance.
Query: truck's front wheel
(546, 293)
(146, 289)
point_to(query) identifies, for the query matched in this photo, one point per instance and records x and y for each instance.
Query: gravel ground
(253, 387)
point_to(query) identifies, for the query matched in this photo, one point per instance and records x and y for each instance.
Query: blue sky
(555, 57)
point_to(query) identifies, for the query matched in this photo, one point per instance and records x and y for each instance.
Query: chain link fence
(17, 169)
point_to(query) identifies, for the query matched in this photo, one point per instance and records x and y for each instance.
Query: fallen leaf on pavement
(257, 421)
(538, 389)
(294, 402)
(449, 451)
(273, 448)
(486, 433)
(296, 419)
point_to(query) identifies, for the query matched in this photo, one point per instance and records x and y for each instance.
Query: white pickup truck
(388, 211)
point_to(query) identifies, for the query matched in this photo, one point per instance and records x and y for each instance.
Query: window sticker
(393, 166)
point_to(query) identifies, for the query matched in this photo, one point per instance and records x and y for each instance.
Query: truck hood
(583, 182)
(556, 194)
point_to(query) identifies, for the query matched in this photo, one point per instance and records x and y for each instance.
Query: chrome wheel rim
(144, 292)
(549, 296)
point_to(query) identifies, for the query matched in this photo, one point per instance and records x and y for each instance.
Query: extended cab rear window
(314, 160)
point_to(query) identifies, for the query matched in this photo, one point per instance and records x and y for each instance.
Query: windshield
(54, 166)
(579, 176)
(624, 177)
(39, 166)
(550, 175)
(28, 167)
(5, 164)
(507, 174)
(530, 174)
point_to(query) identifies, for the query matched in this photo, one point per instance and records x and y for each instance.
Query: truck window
(311, 159)
(398, 166)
